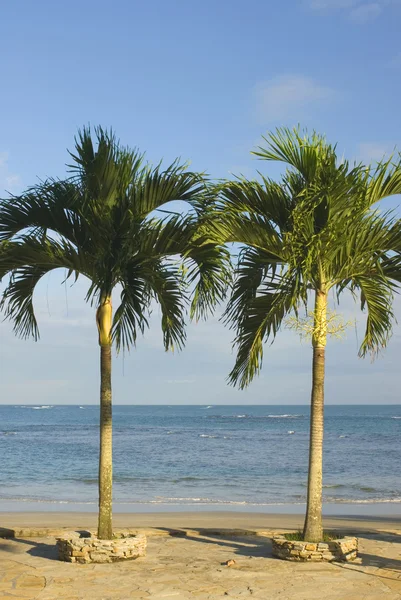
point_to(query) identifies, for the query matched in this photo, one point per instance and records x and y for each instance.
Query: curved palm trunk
(104, 320)
(313, 528)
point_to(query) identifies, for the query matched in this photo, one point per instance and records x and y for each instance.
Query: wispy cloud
(8, 181)
(287, 97)
(357, 11)
(180, 381)
(365, 12)
(331, 4)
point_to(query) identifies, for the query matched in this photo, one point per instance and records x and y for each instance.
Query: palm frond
(207, 273)
(383, 181)
(17, 300)
(164, 237)
(391, 267)
(141, 284)
(300, 153)
(154, 187)
(250, 229)
(48, 207)
(102, 172)
(251, 270)
(267, 199)
(367, 243)
(164, 283)
(206, 265)
(130, 316)
(27, 261)
(263, 319)
(46, 254)
(377, 297)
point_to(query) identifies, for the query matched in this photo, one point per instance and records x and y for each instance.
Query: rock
(72, 548)
(230, 563)
(344, 549)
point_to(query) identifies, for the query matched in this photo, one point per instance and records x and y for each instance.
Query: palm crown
(103, 223)
(316, 230)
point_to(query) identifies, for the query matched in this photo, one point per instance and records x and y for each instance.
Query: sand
(191, 564)
(192, 519)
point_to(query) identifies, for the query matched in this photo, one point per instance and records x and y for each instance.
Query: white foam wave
(332, 485)
(255, 417)
(205, 435)
(284, 416)
(45, 501)
(200, 500)
(364, 501)
(41, 407)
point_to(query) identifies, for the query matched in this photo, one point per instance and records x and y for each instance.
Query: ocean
(229, 457)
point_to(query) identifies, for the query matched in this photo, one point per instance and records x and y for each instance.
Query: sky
(202, 81)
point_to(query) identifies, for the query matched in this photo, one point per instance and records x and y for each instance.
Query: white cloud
(331, 4)
(374, 151)
(365, 12)
(358, 11)
(287, 96)
(10, 182)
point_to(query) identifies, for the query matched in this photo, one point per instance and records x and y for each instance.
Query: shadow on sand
(242, 543)
(260, 546)
(48, 551)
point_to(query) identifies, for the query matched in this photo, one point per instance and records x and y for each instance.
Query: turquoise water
(227, 456)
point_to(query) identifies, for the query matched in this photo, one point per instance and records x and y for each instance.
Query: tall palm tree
(108, 223)
(313, 232)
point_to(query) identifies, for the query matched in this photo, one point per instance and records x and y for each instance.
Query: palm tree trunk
(104, 320)
(313, 528)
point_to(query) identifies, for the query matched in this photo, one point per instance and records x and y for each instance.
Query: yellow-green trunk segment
(313, 527)
(104, 317)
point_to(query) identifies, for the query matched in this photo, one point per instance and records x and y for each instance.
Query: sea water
(225, 456)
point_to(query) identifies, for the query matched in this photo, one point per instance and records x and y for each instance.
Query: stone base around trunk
(87, 548)
(344, 549)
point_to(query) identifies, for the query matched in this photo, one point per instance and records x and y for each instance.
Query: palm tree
(105, 222)
(313, 232)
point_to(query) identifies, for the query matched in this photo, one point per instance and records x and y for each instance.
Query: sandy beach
(186, 559)
(247, 521)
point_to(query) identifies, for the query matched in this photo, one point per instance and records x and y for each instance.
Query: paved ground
(192, 567)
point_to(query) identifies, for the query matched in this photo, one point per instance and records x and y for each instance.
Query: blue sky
(202, 81)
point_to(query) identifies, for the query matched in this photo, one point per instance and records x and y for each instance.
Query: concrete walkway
(192, 567)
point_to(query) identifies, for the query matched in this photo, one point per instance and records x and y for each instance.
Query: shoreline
(366, 509)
